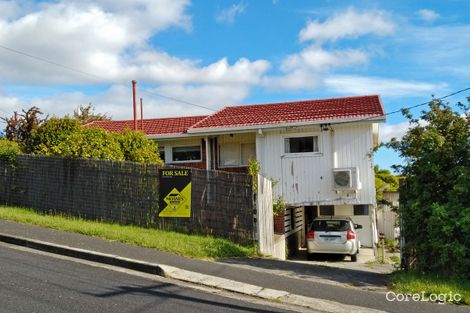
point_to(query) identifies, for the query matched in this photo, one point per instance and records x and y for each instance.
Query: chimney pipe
(142, 115)
(135, 104)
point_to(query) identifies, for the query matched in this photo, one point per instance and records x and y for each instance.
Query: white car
(333, 235)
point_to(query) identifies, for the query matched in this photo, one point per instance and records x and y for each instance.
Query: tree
(21, 127)
(66, 137)
(57, 136)
(137, 148)
(435, 199)
(86, 114)
(384, 181)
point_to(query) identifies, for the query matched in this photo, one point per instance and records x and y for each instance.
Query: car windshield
(330, 225)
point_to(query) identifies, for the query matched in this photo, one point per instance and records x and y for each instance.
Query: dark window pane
(361, 209)
(301, 144)
(192, 153)
(327, 210)
(161, 151)
(330, 225)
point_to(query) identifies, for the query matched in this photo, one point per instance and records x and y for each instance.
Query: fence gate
(264, 216)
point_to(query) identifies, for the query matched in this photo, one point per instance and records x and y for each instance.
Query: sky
(192, 58)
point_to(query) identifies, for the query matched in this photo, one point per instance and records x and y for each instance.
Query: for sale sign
(175, 193)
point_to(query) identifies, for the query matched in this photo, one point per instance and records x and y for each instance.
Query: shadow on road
(164, 291)
(305, 270)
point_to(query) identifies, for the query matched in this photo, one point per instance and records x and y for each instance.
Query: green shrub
(135, 147)
(279, 206)
(9, 150)
(66, 137)
(57, 136)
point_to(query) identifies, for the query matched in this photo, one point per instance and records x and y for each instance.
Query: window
(236, 154)
(248, 152)
(161, 151)
(361, 209)
(330, 225)
(301, 144)
(327, 210)
(190, 153)
(230, 154)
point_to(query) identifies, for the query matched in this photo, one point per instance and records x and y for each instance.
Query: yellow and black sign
(175, 193)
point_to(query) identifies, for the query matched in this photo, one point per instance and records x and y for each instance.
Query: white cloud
(163, 68)
(229, 14)
(311, 66)
(318, 59)
(348, 24)
(9, 104)
(428, 15)
(109, 39)
(94, 37)
(295, 80)
(389, 131)
(362, 85)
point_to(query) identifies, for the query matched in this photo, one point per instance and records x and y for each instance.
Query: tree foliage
(9, 150)
(384, 181)
(86, 114)
(66, 137)
(137, 148)
(435, 200)
(20, 127)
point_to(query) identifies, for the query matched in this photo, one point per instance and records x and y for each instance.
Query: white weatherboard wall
(307, 179)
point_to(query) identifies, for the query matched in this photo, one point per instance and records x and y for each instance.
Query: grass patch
(193, 246)
(413, 282)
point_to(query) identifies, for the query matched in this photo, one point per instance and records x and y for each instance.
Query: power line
(178, 100)
(50, 62)
(427, 102)
(41, 59)
(407, 108)
(194, 104)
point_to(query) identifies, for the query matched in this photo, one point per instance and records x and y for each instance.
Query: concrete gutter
(188, 276)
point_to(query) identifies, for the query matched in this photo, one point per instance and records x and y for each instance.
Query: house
(320, 151)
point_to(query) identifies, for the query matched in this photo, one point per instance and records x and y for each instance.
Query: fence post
(264, 216)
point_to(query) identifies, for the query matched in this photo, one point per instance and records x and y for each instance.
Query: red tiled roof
(292, 112)
(258, 114)
(154, 126)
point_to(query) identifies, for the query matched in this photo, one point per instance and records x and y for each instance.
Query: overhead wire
(41, 59)
(198, 105)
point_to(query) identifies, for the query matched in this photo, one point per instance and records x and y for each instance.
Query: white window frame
(302, 154)
(185, 161)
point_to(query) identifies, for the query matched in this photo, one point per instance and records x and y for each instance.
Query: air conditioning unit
(346, 178)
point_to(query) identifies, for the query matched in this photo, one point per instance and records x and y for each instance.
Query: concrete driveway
(331, 270)
(366, 261)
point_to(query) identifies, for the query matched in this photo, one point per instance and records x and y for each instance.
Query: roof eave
(170, 136)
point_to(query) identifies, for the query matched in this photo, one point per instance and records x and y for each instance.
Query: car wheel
(310, 256)
(354, 258)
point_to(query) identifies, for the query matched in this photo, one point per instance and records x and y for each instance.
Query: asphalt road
(31, 282)
(295, 284)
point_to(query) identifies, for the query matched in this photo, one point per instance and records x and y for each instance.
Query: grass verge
(193, 246)
(413, 282)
